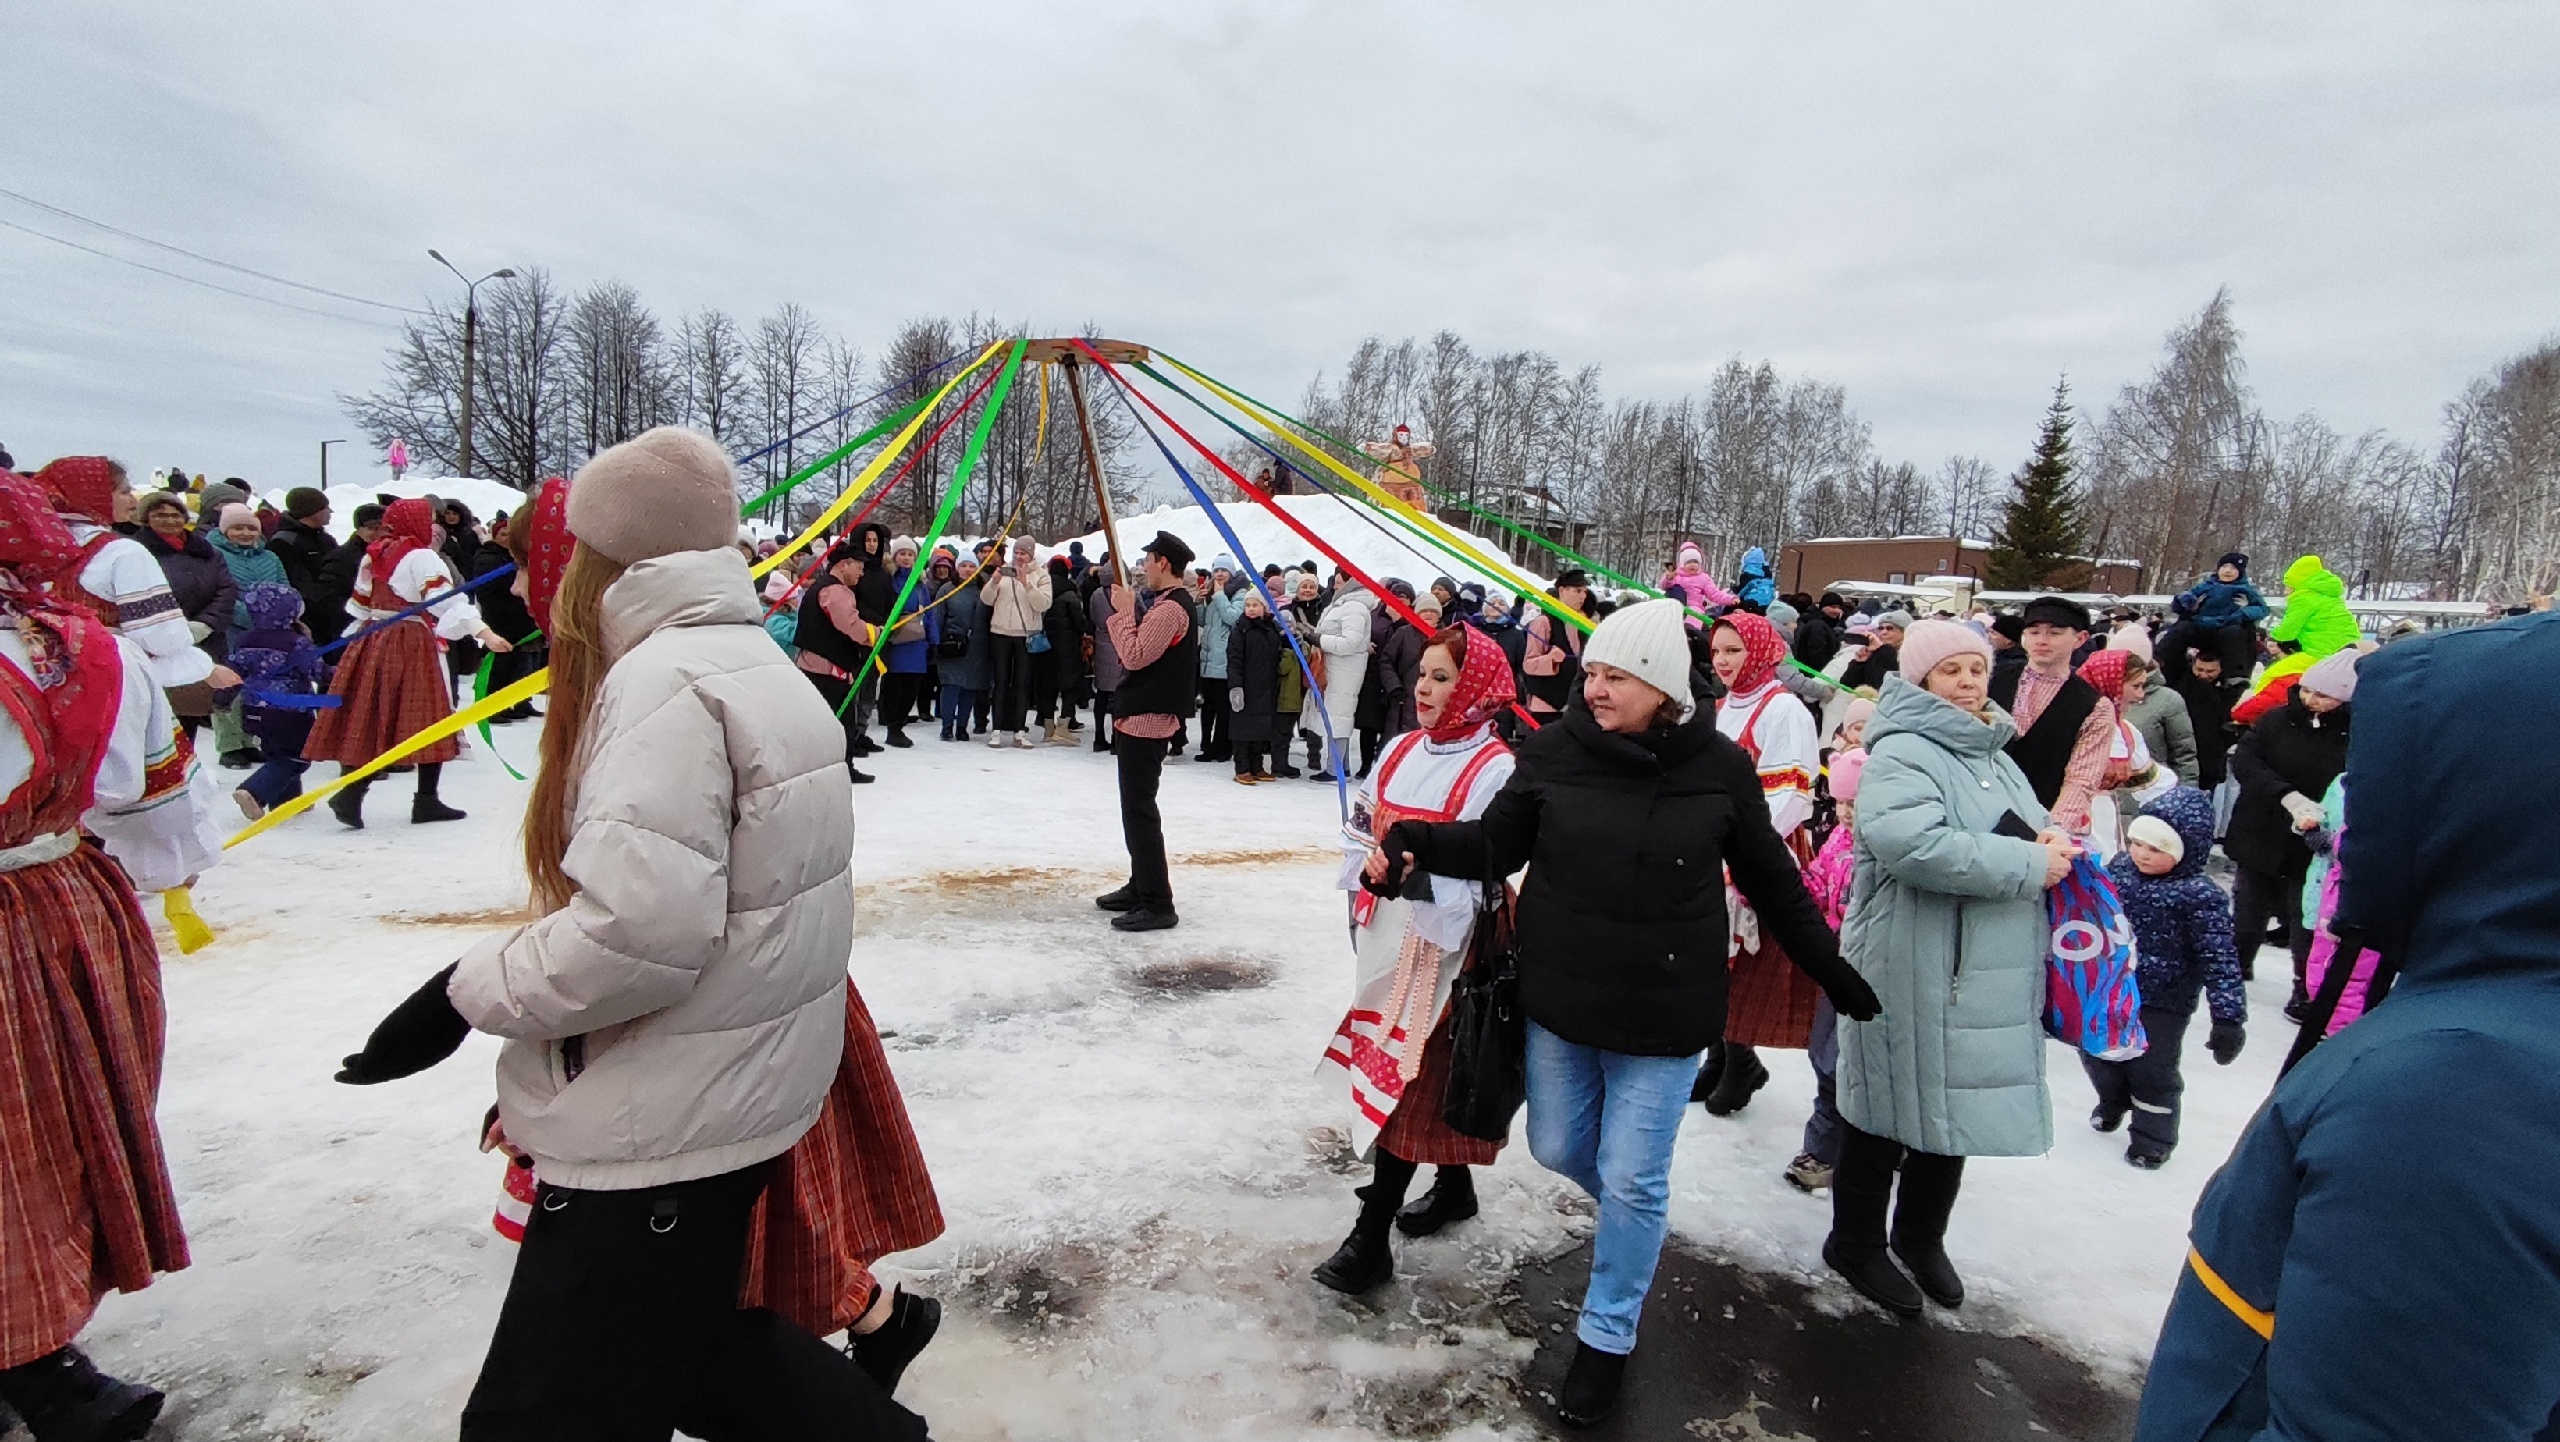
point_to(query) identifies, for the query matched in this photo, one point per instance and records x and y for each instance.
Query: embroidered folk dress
(392, 680)
(1409, 953)
(1770, 1001)
(86, 1205)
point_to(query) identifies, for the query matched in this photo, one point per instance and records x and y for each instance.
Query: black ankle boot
(1920, 1211)
(347, 804)
(885, 1354)
(1861, 1192)
(62, 1398)
(1452, 1198)
(1710, 1072)
(1590, 1385)
(1744, 1073)
(426, 806)
(1364, 1261)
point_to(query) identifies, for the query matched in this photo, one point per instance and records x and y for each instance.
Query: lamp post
(470, 339)
(324, 460)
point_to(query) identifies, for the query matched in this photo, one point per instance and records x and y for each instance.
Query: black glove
(420, 1032)
(2225, 1042)
(1392, 884)
(1850, 995)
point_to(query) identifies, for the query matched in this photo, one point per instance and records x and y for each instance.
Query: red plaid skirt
(392, 686)
(1414, 1130)
(85, 1202)
(853, 1190)
(1768, 1000)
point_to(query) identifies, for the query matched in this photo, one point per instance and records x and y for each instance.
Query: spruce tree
(2042, 532)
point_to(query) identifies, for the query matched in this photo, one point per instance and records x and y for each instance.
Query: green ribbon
(895, 419)
(942, 516)
(480, 692)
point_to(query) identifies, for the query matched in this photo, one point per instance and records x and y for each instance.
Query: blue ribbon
(753, 456)
(286, 701)
(1333, 744)
(419, 609)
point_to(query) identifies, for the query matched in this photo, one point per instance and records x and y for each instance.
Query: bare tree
(711, 368)
(785, 378)
(620, 378)
(521, 415)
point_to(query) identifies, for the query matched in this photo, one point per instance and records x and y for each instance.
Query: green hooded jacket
(2315, 610)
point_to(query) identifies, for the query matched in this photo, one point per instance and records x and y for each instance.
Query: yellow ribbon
(1386, 499)
(2262, 1323)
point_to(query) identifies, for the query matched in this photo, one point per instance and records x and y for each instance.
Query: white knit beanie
(1649, 641)
(2152, 831)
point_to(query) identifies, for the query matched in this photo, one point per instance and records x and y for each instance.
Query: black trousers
(1044, 685)
(1141, 823)
(622, 1324)
(1216, 742)
(1249, 756)
(2148, 1086)
(2257, 899)
(849, 715)
(898, 692)
(1009, 679)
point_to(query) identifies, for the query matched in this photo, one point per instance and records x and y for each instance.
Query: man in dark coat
(314, 565)
(2391, 1206)
(1818, 631)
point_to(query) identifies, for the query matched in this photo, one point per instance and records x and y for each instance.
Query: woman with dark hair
(1551, 656)
(1628, 811)
(207, 595)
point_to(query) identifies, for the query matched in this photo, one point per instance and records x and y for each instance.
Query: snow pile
(1137, 1160)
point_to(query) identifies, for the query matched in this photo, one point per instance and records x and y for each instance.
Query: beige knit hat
(1649, 641)
(663, 491)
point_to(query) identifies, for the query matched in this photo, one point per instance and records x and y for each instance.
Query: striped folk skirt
(1415, 1130)
(1769, 1001)
(851, 1191)
(392, 685)
(85, 1202)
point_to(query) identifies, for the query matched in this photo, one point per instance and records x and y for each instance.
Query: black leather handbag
(1488, 1033)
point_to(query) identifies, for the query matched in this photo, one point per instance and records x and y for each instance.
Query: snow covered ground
(1138, 1163)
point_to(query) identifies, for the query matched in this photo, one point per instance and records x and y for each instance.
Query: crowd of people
(1745, 821)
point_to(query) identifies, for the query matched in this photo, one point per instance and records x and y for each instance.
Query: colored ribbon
(525, 689)
(888, 423)
(420, 609)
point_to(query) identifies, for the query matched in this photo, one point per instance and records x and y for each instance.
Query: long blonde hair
(578, 666)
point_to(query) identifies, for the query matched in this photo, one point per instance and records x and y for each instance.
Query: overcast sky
(1941, 206)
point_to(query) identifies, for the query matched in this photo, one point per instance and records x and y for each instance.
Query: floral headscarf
(406, 526)
(35, 547)
(2105, 671)
(72, 657)
(1484, 687)
(81, 486)
(546, 550)
(1763, 649)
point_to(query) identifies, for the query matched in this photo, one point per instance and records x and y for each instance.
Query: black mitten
(2225, 1042)
(417, 1034)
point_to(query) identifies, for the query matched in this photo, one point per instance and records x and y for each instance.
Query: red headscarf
(83, 486)
(1762, 649)
(406, 526)
(546, 549)
(72, 657)
(1484, 687)
(2105, 671)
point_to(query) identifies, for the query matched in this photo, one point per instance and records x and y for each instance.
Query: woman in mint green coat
(1946, 920)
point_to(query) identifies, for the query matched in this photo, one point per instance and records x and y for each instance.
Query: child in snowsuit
(276, 662)
(1828, 877)
(2182, 935)
(2224, 610)
(2320, 905)
(1756, 590)
(1688, 583)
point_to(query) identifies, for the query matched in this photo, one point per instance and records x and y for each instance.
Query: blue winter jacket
(1218, 617)
(2182, 921)
(909, 658)
(1755, 589)
(2218, 603)
(2380, 1257)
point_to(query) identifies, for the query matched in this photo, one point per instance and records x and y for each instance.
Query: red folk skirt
(391, 684)
(1768, 1000)
(1414, 1130)
(851, 1191)
(85, 1202)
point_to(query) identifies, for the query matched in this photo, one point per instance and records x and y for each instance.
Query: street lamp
(470, 338)
(324, 459)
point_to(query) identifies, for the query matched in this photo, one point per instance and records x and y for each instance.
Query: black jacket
(1817, 640)
(2289, 749)
(322, 571)
(1622, 921)
(201, 581)
(1398, 664)
(2209, 710)
(1255, 654)
(1882, 661)
(500, 607)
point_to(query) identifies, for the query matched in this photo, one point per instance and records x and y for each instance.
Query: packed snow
(1137, 1159)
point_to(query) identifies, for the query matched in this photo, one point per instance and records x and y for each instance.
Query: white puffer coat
(697, 979)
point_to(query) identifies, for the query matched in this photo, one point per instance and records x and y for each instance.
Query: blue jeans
(953, 709)
(277, 781)
(1607, 1121)
(1822, 1129)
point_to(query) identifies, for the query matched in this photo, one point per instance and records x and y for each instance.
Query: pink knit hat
(1845, 769)
(1929, 642)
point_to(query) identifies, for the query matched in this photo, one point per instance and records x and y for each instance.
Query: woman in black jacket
(2284, 766)
(1628, 810)
(202, 583)
(1255, 653)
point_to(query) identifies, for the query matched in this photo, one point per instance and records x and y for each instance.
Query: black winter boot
(427, 806)
(63, 1398)
(1928, 1198)
(1861, 1190)
(885, 1353)
(1590, 1385)
(348, 804)
(1744, 1073)
(1452, 1198)
(1710, 1072)
(1364, 1261)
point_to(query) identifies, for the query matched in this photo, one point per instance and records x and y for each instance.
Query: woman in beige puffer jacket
(675, 1017)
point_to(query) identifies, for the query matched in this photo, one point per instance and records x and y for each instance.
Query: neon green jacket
(2315, 610)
